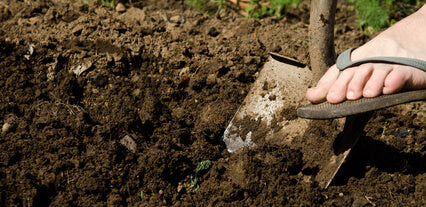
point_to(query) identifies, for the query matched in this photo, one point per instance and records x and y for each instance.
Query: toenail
(387, 90)
(351, 95)
(368, 93)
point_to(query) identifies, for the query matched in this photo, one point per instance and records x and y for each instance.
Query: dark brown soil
(98, 107)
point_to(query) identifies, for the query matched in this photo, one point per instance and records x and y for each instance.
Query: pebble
(120, 8)
(79, 69)
(401, 133)
(31, 50)
(9, 124)
(129, 143)
(180, 187)
(6, 128)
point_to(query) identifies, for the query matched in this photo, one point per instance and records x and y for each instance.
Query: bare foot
(404, 39)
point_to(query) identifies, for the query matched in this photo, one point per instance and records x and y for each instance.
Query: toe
(360, 78)
(337, 92)
(395, 80)
(319, 93)
(374, 85)
(404, 77)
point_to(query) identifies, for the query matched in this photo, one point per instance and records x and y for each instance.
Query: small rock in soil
(129, 143)
(79, 69)
(9, 124)
(402, 133)
(31, 51)
(120, 8)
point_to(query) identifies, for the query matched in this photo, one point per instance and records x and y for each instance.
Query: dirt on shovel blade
(106, 107)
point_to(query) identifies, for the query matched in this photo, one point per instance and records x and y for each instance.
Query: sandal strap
(344, 61)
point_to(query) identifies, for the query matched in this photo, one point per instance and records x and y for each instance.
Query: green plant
(141, 195)
(278, 8)
(281, 7)
(372, 14)
(109, 3)
(220, 4)
(204, 165)
(208, 7)
(198, 5)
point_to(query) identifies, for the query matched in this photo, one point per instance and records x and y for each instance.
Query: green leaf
(193, 180)
(204, 165)
(372, 14)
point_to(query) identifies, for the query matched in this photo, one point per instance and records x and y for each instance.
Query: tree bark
(321, 33)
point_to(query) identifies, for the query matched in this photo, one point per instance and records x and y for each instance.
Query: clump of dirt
(99, 107)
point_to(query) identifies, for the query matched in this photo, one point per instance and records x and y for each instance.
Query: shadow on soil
(370, 153)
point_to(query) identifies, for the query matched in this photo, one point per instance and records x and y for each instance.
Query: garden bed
(105, 107)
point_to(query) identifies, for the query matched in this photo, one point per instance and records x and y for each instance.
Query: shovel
(268, 113)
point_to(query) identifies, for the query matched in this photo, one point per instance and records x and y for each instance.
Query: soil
(101, 107)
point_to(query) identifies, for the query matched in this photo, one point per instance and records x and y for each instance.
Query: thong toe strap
(344, 61)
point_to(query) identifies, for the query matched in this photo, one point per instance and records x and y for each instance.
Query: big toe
(316, 95)
(319, 93)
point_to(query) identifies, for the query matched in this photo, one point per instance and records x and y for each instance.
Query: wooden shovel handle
(321, 33)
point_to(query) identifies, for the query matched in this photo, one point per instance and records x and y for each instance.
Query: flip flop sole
(328, 110)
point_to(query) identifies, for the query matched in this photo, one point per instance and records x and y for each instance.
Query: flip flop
(328, 110)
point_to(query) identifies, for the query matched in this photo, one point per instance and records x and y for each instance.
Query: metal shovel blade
(270, 105)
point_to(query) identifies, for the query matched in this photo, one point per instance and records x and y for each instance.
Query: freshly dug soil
(101, 107)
